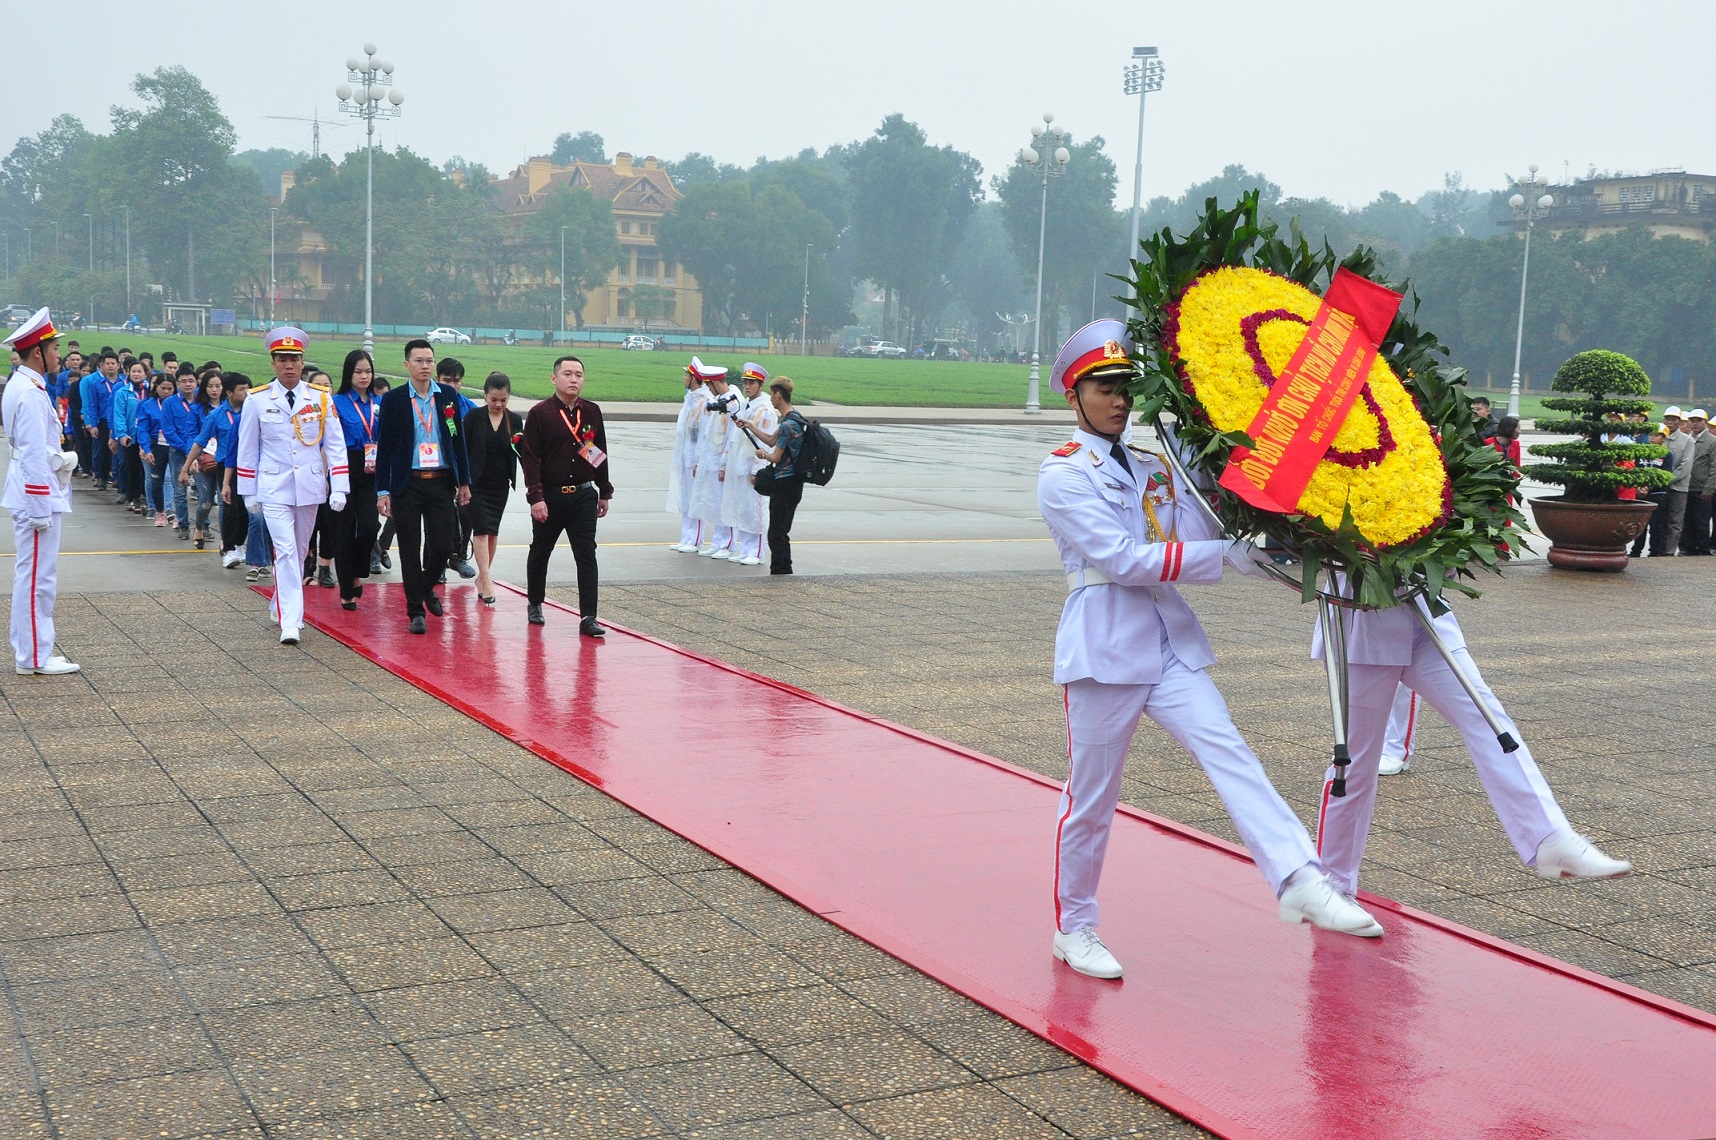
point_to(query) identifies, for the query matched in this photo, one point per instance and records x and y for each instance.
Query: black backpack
(817, 453)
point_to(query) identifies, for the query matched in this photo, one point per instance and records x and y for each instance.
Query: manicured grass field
(615, 375)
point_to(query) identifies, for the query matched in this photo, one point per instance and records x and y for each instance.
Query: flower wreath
(1408, 493)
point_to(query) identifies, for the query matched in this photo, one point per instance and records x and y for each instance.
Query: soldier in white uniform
(685, 436)
(741, 507)
(709, 475)
(1130, 646)
(1400, 741)
(1389, 648)
(37, 495)
(291, 451)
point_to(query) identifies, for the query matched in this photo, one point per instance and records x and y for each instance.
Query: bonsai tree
(1588, 469)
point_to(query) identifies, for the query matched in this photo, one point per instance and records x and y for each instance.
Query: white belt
(1087, 576)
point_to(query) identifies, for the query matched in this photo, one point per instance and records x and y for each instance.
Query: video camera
(725, 402)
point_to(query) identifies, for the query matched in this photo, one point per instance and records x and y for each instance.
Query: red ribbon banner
(1311, 398)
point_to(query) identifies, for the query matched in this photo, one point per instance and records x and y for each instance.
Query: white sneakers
(1312, 896)
(54, 666)
(685, 548)
(1084, 952)
(1566, 855)
(288, 637)
(231, 558)
(748, 560)
(1393, 765)
(720, 555)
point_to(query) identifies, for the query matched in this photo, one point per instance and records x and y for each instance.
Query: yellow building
(1671, 203)
(641, 195)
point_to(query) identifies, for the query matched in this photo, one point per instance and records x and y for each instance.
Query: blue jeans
(153, 474)
(181, 492)
(258, 550)
(208, 493)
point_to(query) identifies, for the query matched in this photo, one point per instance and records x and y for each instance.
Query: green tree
(585, 146)
(909, 205)
(814, 181)
(984, 274)
(270, 164)
(648, 302)
(592, 245)
(697, 169)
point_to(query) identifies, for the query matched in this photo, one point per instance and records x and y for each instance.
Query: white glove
(41, 522)
(252, 504)
(336, 502)
(1244, 556)
(62, 461)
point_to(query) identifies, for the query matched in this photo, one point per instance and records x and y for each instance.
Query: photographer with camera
(709, 475)
(782, 449)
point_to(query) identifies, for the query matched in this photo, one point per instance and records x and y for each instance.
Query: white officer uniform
(741, 507)
(291, 454)
(1387, 649)
(37, 496)
(1400, 740)
(713, 430)
(685, 436)
(1129, 646)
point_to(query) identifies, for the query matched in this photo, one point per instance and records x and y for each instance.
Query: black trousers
(428, 527)
(574, 515)
(101, 459)
(1656, 529)
(354, 528)
(783, 505)
(1695, 531)
(234, 524)
(81, 442)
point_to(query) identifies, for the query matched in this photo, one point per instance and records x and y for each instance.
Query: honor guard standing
(684, 461)
(1390, 648)
(290, 459)
(709, 476)
(1129, 646)
(741, 507)
(38, 494)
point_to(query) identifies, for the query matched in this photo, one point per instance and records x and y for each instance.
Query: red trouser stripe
(1323, 815)
(35, 564)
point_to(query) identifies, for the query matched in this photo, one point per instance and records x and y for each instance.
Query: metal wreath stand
(1330, 602)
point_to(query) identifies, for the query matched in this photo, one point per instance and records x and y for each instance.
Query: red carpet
(941, 856)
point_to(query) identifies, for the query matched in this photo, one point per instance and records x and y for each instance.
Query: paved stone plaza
(251, 890)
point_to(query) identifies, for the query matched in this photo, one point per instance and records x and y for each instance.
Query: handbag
(764, 481)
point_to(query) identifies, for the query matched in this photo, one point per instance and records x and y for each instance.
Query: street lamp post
(1531, 209)
(1046, 164)
(562, 321)
(1142, 77)
(364, 100)
(91, 222)
(127, 260)
(272, 211)
(804, 312)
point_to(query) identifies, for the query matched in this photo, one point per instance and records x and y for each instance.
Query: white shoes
(1084, 952)
(1393, 765)
(685, 548)
(231, 558)
(289, 636)
(721, 555)
(54, 666)
(748, 561)
(1312, 896)
(706, 551)
(1566, 855)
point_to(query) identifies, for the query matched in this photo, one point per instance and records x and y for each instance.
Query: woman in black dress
(489, 432)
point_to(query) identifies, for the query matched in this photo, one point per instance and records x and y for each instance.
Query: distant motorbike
(510, 338)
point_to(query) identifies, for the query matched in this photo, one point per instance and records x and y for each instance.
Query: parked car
(637, 342)
(17, 314)
(446, 336)
(887, 348)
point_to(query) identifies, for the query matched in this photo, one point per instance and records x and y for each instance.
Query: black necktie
(1119, 454)
(292, 396)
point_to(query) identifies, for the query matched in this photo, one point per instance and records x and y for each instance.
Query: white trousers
(1101, 720)
(35, 579)
(1517, 791)
(289, 526)
(1401, 739)
(688, 530)
(714, 535)
(748, 545)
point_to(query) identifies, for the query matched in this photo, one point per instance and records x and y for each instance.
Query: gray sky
(1331, 98)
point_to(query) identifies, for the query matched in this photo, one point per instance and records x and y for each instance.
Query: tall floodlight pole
(272, 212)
(1046, 164)
(364, 100)
(1530, 209)
(1142, 77)
(562, 321)
(804, 312)
(127, 261)
(91, 220)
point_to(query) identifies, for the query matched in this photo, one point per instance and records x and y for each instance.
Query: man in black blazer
(421, 471)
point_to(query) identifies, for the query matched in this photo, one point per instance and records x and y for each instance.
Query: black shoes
(465, 569)
(386, 559)
(433, 603)
(375, 564)
(418, 625)
(348, 603)
(589, 627)
(535, 613)
(325, 578)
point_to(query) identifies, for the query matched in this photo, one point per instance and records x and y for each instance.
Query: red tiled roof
(643, 190)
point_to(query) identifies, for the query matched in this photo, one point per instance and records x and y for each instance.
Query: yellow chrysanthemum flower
(1235, 330)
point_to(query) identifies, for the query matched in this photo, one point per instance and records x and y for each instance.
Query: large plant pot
(1590, 536)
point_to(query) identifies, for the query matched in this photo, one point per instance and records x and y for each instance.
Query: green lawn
(615, 375)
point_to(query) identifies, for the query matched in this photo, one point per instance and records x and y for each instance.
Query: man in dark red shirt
(564, 454)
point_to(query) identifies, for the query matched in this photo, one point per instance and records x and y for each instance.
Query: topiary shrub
(1589, 470)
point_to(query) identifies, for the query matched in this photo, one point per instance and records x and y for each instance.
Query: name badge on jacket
(429, 456)
(592, 454)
